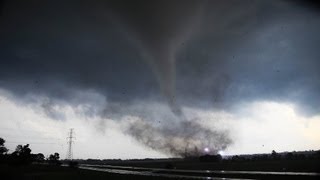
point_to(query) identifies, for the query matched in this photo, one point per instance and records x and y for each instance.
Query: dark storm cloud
(209, 54)
(67, 43)
(266, 52)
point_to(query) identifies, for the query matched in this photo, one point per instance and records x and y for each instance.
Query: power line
(70, 142)
(20, 142)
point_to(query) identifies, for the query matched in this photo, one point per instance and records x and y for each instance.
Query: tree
(210, 158)
(22, 155)
(54, 159)
(23, 150)
(275, 155)
(3, 149)
(317, 154)
(39, 157)
(289, 156)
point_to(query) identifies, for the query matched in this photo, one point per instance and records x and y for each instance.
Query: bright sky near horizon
(258, 127)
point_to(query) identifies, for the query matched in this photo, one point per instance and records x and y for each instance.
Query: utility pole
(70, 142)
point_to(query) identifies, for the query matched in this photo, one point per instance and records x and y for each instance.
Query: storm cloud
(203, 54)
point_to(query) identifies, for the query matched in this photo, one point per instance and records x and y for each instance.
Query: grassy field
(43, 172)
(47, 172)
(276, 165)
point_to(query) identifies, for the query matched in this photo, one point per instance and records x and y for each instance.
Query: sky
(140, 79)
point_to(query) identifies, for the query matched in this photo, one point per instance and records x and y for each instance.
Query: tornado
(160, 29)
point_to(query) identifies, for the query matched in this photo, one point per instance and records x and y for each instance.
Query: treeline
(306, 155)
(273, 156)
(22, 156)
(107, 161)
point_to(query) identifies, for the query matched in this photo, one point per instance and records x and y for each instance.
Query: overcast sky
(139, 79)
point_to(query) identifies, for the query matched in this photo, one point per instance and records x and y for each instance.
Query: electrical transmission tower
(70, 142)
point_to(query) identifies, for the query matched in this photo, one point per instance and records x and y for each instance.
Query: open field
(154, 169)
(275, 165)
(201, 174)
(44, 172)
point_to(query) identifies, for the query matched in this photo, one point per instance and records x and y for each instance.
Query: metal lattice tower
(70, 142)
